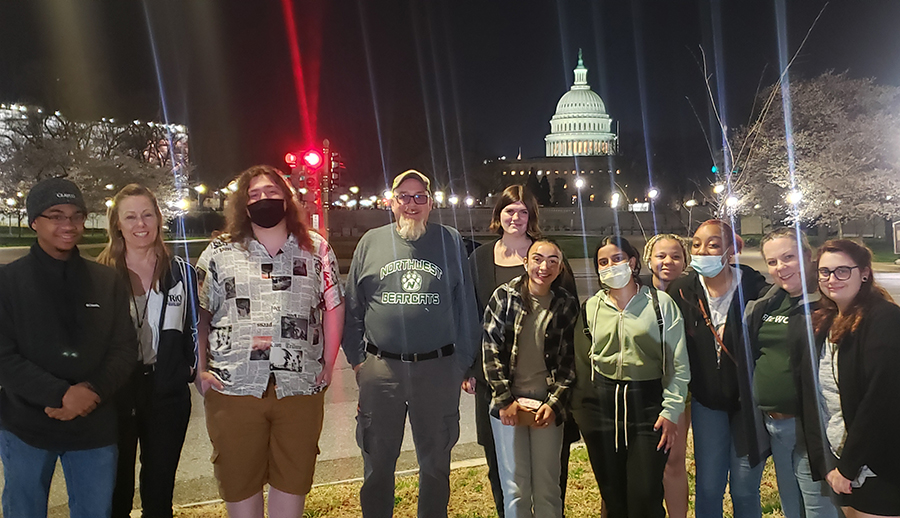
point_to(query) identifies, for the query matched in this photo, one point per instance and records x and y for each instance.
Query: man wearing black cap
(411, 330)
(66, 345)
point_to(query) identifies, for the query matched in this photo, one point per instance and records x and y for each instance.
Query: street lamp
(690, 204)
(653, 193)
(439, 198)
(614, 200)
(201, 189)
(454, 200)
(387, 194)
(794, 197)
(108, 203)
(579, 182)
(718, 188)
(354, 190)
(732, 202)
(110, 187)
(470, 201)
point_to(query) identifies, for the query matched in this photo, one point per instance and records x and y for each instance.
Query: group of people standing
(799, 372)
(96, 359)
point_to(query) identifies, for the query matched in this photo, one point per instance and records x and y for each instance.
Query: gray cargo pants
(429, 392)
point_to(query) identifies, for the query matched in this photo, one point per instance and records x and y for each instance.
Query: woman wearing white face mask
(730, 442)
(632, 376)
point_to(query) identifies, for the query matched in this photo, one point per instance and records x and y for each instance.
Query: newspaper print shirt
(267, 314)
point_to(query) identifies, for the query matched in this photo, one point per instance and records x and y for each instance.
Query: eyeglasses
(841, 273)
(419, 199)
(58, 219)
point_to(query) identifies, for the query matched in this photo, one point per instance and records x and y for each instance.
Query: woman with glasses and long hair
(730, 443)
(155, 407)
(774, 321)
(850, 382)
(515, 220)
(632, 377)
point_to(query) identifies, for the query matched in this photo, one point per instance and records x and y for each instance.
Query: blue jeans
(796, 488)
(528, 461)
(27, 472)
(718, 464)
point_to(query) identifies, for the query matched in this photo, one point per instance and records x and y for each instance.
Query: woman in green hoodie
(632, 376)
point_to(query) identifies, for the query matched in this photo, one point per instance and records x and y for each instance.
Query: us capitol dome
(581, 126)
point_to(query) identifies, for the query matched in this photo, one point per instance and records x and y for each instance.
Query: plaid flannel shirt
(502, 326)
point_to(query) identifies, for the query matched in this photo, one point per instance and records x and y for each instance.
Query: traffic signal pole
(325, 186)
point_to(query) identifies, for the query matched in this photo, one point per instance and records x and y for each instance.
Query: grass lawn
(470, 495)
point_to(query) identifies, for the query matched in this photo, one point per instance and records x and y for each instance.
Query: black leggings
(160, 424)
(626, 463)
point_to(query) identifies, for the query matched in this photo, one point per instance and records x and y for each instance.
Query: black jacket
(869, 383)
(176, 356)
(724, 385)
(62, 323)
(797, 331)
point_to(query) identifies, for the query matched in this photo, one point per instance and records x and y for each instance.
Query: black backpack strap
(659, 319)
(587, 326)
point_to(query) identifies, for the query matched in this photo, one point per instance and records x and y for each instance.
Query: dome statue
(581, 126)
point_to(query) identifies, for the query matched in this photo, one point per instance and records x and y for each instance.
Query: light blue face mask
(708, 265)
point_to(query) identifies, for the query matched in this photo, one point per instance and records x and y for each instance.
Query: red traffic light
(290, 159)
(312, 158)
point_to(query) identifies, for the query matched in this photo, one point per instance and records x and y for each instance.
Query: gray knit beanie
(47, 193)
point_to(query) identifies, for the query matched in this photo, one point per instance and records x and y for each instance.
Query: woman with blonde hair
(773, 323)
(666, 256)
(155, 407)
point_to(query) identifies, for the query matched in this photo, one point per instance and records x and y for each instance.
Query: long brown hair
(510, 195)
(114, 252)
(238, 221)
(525, 285)
(826, 316)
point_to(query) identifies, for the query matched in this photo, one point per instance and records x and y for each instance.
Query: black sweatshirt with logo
(62, 323)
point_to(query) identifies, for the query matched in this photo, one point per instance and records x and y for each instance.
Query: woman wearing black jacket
(729, 438)
(515, 220)
(849, 384)
(155, 407)
(771, 321)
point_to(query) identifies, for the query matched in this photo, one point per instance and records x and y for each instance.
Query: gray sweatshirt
(410, 296)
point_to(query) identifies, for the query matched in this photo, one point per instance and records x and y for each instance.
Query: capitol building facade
(581, 126)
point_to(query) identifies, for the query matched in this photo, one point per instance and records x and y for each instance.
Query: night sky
(430, 84)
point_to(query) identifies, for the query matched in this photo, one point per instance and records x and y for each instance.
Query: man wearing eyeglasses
(410, 333)
(66, 345)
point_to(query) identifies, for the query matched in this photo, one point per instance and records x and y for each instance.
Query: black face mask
(267, 212)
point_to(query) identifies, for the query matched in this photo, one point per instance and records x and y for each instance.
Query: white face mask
(708, 265)
(616, 276)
